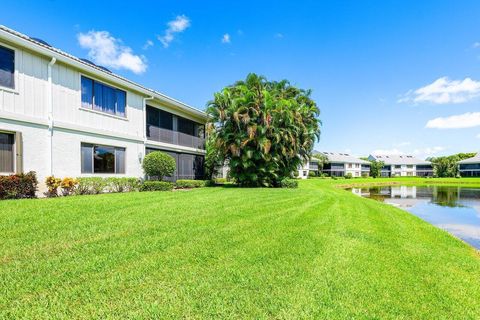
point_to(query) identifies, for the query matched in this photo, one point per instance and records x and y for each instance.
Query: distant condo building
(403, 166)
(342, 164)
(470, 167)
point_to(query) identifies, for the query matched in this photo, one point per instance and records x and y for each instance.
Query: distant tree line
(447, 166)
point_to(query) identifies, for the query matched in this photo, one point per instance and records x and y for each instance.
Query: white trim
(173, 147)
(14, 152)
(16, 72)
(104, 114)
(105, 83)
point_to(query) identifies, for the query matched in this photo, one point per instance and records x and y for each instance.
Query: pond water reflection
(455, 209)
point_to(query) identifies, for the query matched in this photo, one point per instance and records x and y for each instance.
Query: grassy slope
(316, 251)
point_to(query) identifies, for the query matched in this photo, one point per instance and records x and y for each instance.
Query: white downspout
(50, 110)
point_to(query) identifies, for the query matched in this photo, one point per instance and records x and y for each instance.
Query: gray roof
(337, 157)
(398, 159)
(475, 159)
(88, 65)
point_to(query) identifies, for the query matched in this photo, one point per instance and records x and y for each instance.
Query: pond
(455, 209)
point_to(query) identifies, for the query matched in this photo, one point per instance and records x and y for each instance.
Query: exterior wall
(25, 109)
(355, 169)
(35, 141)
(303, 170)
(67, 159)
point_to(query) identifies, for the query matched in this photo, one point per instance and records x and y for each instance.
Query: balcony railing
(174, 137)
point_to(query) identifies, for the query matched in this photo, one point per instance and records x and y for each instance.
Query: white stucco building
(470, 167)
(403, 166)
(65, 116)
(341, 164)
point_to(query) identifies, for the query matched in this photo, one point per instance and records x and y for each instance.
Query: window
(100, 97)
(7, 152)
(186, 126)
(410, 166)
(397, 166)
(7, 68)
(350, 165)
(102, 159)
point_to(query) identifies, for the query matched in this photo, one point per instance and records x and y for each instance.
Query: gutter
(50, 111)
(22, 40)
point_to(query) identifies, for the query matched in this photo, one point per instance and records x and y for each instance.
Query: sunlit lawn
(314, 252)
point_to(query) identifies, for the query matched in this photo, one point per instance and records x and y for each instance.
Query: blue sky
(388, 76)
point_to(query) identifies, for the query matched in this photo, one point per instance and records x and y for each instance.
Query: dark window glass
(98, 96)
(87, 158)
(103, 98)
(7, 67)
(109, 100)
(153, 116)
(87, 93)
(102, 159)
(121, 103)
(166, 120)
(186, 126)
(7, 155)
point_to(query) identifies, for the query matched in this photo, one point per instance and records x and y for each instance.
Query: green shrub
(348, 175)
(289, 183)
(158, 165)
(221, 180)
(156, 186)
(365, 175)
(181, 184)
(123, 184)
(90, 185)
(312, 174)
(18, 186)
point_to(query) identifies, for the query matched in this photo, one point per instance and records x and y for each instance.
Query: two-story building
(342, 164)
(470, 167)
(403, 166)
(65, 116)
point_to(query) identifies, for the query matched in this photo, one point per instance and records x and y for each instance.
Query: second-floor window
(101, 97)
(7, 68)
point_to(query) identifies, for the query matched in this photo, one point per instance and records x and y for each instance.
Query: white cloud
(466, 120)
(180, 24)
(226, 38)
(476, 45)
(429, 151)
(478, 136)
(108, 51)
(278, 35)
(444, 90)
(403, 144)
(148, 44)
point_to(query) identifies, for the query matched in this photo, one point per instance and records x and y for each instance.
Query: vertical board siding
(29, 97)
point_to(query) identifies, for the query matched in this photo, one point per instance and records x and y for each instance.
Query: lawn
(313, 252)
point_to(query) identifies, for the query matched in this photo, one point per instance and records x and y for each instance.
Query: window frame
(15, 69)
(105, 84)
(93, 145)
(14, 153)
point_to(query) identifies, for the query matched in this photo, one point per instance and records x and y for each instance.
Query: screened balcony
(163, 126)
(174, 137)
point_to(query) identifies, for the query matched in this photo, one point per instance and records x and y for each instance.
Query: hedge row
(18, 186)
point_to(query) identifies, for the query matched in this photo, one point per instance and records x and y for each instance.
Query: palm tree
(265, 130)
